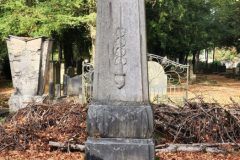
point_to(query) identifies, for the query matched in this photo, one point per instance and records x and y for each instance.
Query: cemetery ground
(25, 135)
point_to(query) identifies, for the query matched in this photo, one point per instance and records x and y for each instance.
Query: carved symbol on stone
(119, 57)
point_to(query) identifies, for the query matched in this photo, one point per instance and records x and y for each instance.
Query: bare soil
(216, 88)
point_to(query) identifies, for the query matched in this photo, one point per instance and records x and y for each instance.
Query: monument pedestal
(120, 120)
(133, 122)
(119, 149)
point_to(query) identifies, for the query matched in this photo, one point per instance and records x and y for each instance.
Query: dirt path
(215, 87)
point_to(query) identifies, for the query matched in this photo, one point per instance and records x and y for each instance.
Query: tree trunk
(186, 58)
(194, 61)
(68, 52)
(214, 51)
(206, 53)
(93, 38)
(197, 56)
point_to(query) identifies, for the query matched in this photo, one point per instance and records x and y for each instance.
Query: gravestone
(120, 119)
(74, 85)
(157, 80)
(29, 64)
(58, 90)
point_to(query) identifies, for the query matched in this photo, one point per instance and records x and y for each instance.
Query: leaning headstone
(58, 90)
(157, 80)
(29, 64)
(51, 90)
(65, 84)
(120, 119)
(74, 85)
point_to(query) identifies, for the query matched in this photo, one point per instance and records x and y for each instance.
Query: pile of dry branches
(198, 123)
(36, 125)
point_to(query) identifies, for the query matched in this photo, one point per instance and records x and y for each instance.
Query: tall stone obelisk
(120, 119)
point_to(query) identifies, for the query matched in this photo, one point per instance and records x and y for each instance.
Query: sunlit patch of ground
(216, 88)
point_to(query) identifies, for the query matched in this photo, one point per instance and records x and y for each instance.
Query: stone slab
(74, 85)
(29, 65)
(157, 79)
(119, 149)
(121, 62)
(120, 120)
(17, 102)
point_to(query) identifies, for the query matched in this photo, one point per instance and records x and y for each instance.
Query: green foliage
(66, 21)
(225, 54)
(42, 18)
(177, 28)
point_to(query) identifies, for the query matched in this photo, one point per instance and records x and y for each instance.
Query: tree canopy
(180, 27)
(43, 17)
(175, 28)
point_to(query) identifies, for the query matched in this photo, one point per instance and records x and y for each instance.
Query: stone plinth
(29, 64)
(119, 149)
(120, 119)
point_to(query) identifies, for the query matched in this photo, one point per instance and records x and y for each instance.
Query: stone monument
(120, 118)
(29, 65)
(157, 80)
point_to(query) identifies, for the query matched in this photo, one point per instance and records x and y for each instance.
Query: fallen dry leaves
(34, 155)
(197, 156)
(33, 127)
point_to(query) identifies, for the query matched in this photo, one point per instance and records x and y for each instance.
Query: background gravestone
(120, 119)
(29, 64)
(74, 85)
(157, 80)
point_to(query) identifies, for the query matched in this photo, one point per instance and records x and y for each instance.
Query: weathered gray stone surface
(120, 149)
(29, 65)
(58, 90)
(121, 120)
(74, 85)
(120, 109)
(46, 50)
(65, 85)
(51, 90)
(121, 61)
(157, 79)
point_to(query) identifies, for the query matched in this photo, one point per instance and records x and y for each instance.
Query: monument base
(123, 120)
(17, 102)
(119, 149)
